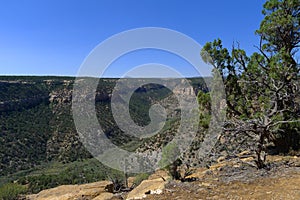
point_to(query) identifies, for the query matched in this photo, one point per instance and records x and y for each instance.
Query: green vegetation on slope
(39, 143)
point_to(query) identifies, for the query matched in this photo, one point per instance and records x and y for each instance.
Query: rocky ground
(230, 179)
(239, 181)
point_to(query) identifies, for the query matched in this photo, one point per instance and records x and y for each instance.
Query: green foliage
(280, 27)
(119, 180)
(38, 139)
(142, 99)
(169, 152)
(11, 191)
(23, 138)
(139, 178)
(56, 174)
(169, 160)
(204, 102)
(262, 91)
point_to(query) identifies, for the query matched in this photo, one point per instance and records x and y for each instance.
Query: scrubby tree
(262, 90)
(168, 161)
(204, 102)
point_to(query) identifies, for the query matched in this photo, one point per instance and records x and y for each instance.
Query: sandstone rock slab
(71, 192)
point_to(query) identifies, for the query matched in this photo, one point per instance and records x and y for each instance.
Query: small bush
(11, 191)
(169, 152)
(139, 178)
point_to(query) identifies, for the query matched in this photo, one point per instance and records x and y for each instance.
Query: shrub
(167, 161)
(139, 178)
(11, 191)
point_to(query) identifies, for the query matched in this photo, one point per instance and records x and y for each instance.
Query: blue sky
(54, 37)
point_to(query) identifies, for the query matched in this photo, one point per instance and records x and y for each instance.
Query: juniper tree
(263, 89)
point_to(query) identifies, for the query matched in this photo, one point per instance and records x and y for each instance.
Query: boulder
(104, 196)
(153, 186)
(71, 192)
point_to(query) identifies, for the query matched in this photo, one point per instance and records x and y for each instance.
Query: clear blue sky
(53, 37)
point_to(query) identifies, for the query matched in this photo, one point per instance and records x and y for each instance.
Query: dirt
(280, 180)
